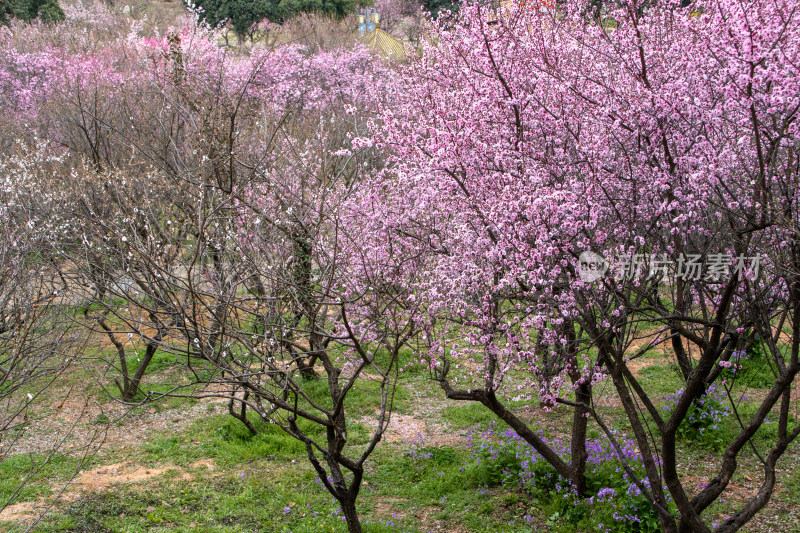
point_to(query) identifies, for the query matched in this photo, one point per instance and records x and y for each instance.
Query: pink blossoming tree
(659, 138)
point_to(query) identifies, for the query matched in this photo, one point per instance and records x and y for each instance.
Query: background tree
(435, 7)
(244, 16)
(27, 10)
(39, 339)
(401, 18)
(218, 238)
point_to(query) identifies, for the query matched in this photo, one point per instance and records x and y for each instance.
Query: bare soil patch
(92, 481)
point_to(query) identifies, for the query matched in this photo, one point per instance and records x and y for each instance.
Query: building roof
(385, 45)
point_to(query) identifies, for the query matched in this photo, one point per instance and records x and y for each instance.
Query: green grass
(36, 471)
(264, 482)
(159, 362)
(257, 478)
(244, 500)
(468, 415)
(661, 381)
(362, 399)
(224, 439)
(757, 370)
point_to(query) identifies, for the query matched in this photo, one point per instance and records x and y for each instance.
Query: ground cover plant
(543, 275)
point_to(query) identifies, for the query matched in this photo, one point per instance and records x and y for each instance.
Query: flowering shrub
(611, 503)
(427, 460)
(704, 421)
(748, 368)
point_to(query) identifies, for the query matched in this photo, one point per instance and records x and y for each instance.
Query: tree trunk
(242, 415)
(348, 505)
(132, 384)
(578, 452)
(684, 362)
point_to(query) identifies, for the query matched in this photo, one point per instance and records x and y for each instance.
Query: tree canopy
(434, 7)
(243, 15)
(27, 10)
